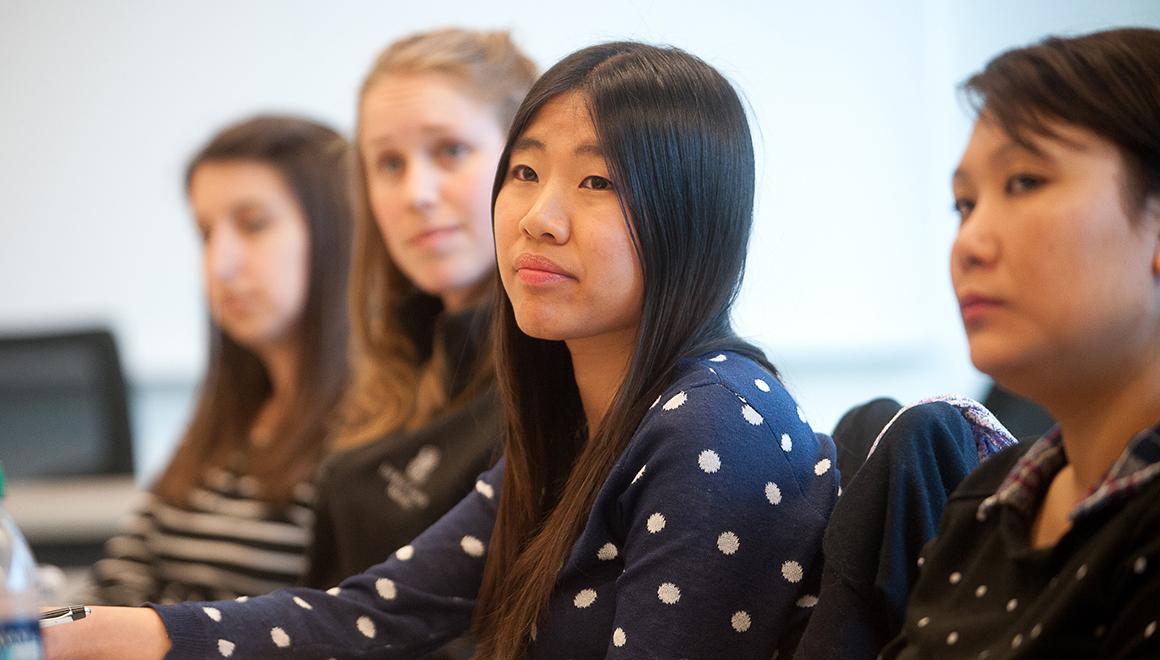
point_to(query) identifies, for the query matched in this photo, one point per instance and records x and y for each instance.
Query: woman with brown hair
(662, 494)
(230, 514)
(422, 419)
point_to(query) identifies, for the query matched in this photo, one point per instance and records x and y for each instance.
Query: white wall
(855, 117)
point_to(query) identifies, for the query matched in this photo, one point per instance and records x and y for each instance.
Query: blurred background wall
(855, 117)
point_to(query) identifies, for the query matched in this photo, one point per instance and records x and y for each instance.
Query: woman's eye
(963, 207)
(596, 183)
(389, 163)
(253, 225)
(524, 173)
(1022, 183)
(452, 151)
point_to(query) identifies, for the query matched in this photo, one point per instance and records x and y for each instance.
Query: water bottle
(19, 623)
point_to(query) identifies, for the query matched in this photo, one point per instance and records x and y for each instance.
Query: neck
(599, 365)
(281, 363)
(1098, 422)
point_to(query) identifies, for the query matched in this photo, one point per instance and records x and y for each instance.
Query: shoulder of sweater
(984, 480)
(718, 394)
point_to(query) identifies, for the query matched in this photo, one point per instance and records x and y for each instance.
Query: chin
(538, 326)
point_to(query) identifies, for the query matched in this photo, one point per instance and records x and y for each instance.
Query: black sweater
(375, 498)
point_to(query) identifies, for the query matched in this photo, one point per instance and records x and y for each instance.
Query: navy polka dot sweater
(704, 542)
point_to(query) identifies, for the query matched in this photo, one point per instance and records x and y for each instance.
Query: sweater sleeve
(126, 575)
(422, 596)
(722, 526)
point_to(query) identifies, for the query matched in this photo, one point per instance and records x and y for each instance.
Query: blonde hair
(397, 370)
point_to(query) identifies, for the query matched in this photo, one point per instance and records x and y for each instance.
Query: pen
(63, 615)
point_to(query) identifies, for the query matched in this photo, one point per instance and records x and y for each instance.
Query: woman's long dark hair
(312, 160)
(678, 147)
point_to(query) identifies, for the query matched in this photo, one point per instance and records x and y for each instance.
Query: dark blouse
(984, 592)
(703, 542)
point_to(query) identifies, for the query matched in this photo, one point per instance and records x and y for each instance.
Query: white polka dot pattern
(677, 401)
(728, 543)
(213, 613)
(485, 489)
(655, 523)
(225, 647)
(718, 358)
(792, 571)
(334, 591)
(639, 474)
(584, 598)
(772, 493)
(668, 593)
(741, 621)
(709, 461)
(472, 546)
(281, 639)
(386, 588)
(751, 415)
(714, 446)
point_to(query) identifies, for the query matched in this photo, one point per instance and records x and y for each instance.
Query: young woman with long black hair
(661, 494)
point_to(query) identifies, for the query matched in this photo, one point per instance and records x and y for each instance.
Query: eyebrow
(1001, 155)
(527, 144)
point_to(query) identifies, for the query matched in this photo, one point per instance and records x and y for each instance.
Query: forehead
(401, 105)
(1068, 145)
(565, 121)
(218, 179)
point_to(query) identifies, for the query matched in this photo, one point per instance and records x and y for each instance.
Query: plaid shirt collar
(1026, 484)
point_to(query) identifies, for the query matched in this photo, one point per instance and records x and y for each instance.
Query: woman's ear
(1152, 218)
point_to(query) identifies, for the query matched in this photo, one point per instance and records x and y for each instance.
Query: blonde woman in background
(422, 418)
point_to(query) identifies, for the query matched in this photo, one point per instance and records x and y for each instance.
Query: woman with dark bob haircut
(661, 493)
(1052, 548)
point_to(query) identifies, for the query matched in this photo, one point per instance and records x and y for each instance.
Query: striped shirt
(225, 543)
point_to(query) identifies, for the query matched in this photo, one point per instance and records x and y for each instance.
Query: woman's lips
(974, 307)
(540, 271)
(433, 237)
